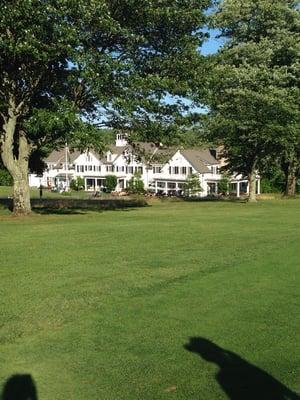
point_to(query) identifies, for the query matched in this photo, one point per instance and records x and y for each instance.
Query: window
(170, 170)
(139, 170)
(85, 168)
(190, 170)
(156, 170)
(161, 185)
(90, 168)
(183, 170)
(171, 185)
(176, 170)
(129, 170)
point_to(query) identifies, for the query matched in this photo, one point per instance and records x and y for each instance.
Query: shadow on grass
(227, 199)
(206, 199)
(239, 379)
(70, 211)
(75, 206)
(59, 211)
(19, 387)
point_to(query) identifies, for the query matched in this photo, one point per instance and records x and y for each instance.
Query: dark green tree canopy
(254, 83)
(69, 67)
(113, 62)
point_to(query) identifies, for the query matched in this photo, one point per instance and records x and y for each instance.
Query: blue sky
(212, 44)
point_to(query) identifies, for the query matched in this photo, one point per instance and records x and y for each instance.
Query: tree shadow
(58, 211)
(72, 211)
(19, 387)
(239, 379)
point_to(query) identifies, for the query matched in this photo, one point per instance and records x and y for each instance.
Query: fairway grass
(102, 305)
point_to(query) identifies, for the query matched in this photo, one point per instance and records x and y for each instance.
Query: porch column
(216, 188)
(258, 186)
(238, 189)
(85, 185)
(155, 187)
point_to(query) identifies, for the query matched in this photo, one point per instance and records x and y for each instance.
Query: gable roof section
(55, 156)
(142, 150)
(59, 156)
(199, 159)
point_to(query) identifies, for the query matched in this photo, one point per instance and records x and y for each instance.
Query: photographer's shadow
(19, 387)
(239, 379)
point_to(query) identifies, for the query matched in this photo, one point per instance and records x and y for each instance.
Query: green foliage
(111, 182)
(135, 184)
(5, 177)
(69, 68)
(273, 180)
(109, 62)
(66, 194)
(77, 184)
(254, 84)
(192, 186)
(223, 185)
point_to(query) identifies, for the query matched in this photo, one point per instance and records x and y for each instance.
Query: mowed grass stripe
(100, 305)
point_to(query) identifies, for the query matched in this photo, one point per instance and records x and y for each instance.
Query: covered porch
(94, 184)
(168, 187)
(241, 187)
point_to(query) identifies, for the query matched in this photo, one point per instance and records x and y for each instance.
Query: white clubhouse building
(163, 170)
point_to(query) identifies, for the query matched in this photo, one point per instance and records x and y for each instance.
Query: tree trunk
(291, 180)
(21, 195)
(16, 165)
(252, 185)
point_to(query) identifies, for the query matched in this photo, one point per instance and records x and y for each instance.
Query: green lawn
(101, 305)
(6, 191)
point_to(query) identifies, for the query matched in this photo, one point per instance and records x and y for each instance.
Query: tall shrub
(111, 182)
(136, 185)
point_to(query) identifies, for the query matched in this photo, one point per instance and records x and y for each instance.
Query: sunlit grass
(100, 305)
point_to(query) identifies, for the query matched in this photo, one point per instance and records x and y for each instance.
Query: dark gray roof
(199, 159)
(163, 155)
(56, 156)
(59, 156)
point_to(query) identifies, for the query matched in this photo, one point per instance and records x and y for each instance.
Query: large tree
(254, 86)
(69, 66)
